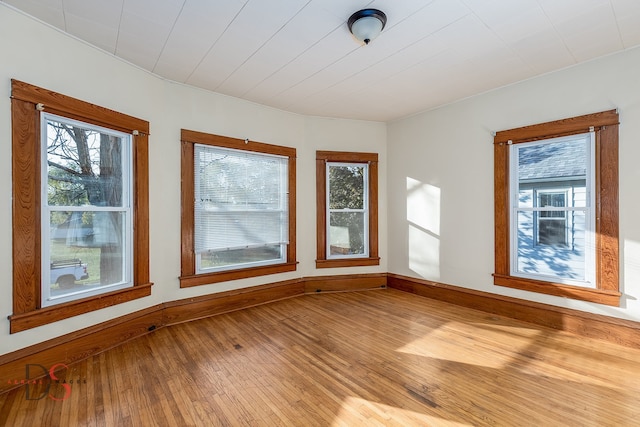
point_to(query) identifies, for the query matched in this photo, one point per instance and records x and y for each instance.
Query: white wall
(440, 187)
(37, 54)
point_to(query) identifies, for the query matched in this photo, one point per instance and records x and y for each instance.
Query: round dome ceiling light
(367, 24)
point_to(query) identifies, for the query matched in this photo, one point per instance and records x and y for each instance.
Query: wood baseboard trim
(189, 309)
(618, 331)
(353, 282)
(77, 345)
(96, 339)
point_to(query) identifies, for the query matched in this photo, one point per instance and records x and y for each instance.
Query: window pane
(86, 251)
(241, 207)
(346, 187)
(230, 257)
(551, 165)
(231, 179)
(563, 159)
(85, 166)
(552, 247)
(552, 230)
(556, 200)
(239, 229)
(347, 233)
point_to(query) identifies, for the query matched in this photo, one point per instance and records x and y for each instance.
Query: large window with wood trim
(238, 208)
(556, 208)
(80, 212)
(347, 209)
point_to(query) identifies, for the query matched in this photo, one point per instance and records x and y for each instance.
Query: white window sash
(47, 299)
(588, 210)
(216, 223)
(364, 210)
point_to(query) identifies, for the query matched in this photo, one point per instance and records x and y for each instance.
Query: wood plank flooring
(371, 358)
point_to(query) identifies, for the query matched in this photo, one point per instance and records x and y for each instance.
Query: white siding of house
(567, 262)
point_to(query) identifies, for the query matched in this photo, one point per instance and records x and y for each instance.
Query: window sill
(599, 296)
(225, 276)
(43, 316)
(346, 262)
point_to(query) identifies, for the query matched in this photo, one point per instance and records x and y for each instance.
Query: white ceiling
(298, 55)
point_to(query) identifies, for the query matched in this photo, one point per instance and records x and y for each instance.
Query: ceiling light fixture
(367, 24)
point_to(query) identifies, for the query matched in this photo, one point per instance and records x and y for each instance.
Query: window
(552, 232)
(347, 203)
(80, 211)
(86, 210)
(552, 226)
(238, 209)
(556, 208)
(348, 210)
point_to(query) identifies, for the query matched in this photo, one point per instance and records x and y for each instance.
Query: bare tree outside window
(87, 205)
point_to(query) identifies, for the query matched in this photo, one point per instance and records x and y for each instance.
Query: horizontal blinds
(241, 199)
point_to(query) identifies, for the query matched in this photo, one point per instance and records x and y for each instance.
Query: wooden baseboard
(77, 345)
(354, 282)
(209, 305)
(93, 340)
(618, 331)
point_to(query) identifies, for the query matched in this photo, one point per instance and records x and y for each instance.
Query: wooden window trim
(188, 276)
(322, 157)
(605, 124)
(26, 100)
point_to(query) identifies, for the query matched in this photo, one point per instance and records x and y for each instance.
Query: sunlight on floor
(498, 346)
(545, 345)
(352, 409)
(481, 352)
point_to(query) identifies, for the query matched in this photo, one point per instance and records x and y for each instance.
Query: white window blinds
(241, 199)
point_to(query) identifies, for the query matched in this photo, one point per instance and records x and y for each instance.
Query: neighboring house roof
(564, 159)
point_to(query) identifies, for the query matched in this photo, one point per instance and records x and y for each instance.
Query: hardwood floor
(382, 357)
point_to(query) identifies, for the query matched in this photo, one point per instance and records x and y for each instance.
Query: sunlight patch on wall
(423, 206)
(423, 217)
(424, 253)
